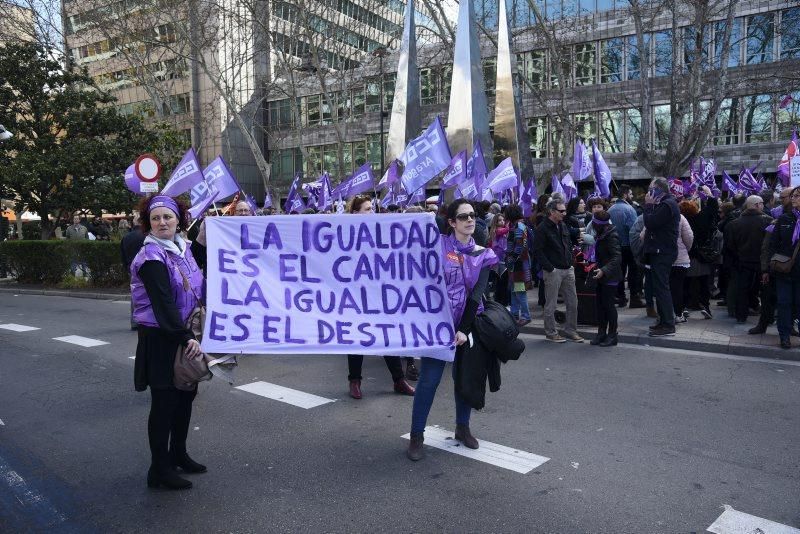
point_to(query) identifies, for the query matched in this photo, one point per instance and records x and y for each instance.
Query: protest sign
(794, 171)
(333, 284)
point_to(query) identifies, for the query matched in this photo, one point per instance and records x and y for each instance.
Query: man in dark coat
(744, 237)
(129, 247)
(661, 222)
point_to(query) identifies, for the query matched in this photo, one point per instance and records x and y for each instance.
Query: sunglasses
(466, 216)
(561, 211)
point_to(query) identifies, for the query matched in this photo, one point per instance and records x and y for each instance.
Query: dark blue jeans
(788, 304)
(430, 374)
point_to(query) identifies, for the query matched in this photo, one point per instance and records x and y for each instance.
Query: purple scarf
(461, 271)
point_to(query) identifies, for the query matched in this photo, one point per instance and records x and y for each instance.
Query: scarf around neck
(177, 246)
(463, 248)
(796, 232)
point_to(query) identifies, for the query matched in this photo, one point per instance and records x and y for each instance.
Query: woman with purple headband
(166, 284)
(607, 255)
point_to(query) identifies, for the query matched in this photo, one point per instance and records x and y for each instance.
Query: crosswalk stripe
(735, 522)
(287, 395)
(488, 452)
(18, 327)
(82, 341)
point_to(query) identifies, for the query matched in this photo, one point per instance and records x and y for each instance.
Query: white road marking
(488, 452)
(131, 357)
(734, 522)
(287, 395)
(17, 327)
(82, 341)
(2, 423)
(28, 497)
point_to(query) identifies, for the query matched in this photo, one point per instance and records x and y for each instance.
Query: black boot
(598, 339)
(167, 478)
(415, 451)
(187, 464)
(465, 436)
(609, 341)
(760, 328)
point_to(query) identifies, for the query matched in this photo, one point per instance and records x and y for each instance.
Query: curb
(65, 293)
(760, 352)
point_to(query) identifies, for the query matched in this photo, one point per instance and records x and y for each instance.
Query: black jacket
(744, 236)
(130, 246)
(552, 246)
(781, 242)
(662, 222)
(609, 256)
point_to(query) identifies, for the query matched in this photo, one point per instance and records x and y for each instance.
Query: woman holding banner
(466, 269)
(362, 204)
(166, 284)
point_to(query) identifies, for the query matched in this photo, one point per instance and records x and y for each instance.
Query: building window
(757, 119)
(611, 60)
(446, 77)
(313, 163)
(532, 68)
(697, 48)
(790, 33)
(373, 96)
(734, 45)
(633, 129)
(360, 151)
(313, 115)
(662, 121)
(788, 117)
(726, 126)
(634, 56)
(490, 75)
(585, 125)
(585, 68)
(388, 91)
(357, 105)
(760, 38)
(611, 130)
(537, 137)
(330, 159)
(428, 87)
(280, 113)
(327, 108)
(663, 53)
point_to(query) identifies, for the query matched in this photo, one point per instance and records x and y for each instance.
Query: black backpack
(498, 331)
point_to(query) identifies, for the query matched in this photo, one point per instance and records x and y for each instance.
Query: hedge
(48, 262)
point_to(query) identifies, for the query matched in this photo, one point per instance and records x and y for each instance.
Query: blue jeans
(430, 374)
(788, 304)
(519, 305)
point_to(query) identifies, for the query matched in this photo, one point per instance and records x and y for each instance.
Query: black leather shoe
(412, 373)
(168, 479)
(598, 339)
(609, 341)
(188, 465)
(757, 329)
(786, 344)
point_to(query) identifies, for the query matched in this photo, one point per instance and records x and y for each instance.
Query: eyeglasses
(796, 195)
(561, 211)
(466, 216)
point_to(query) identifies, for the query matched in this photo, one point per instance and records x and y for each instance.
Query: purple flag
(476, 165)
(132, 181)
(457, 171)
(361, 181)
(294, 200)
(747, 182)
(468, 190)
(784, 167)
(217, 178)
(729, 185)
(185, 176)
(388, 198)
(555, 185)
(502, 177)
(391, 177)
(417, 197)
(198, 210)
(785, 101)
(325, 198)
(251, 202)
(312, 190)
(568, 184)
(268, 200)
(527, 195)
(602, 174)
(440, 200)
(581, 163)
(425, 157)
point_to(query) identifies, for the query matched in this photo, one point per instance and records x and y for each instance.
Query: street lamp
(381, 52)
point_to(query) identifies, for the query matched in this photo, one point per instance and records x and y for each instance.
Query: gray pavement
(639, 439)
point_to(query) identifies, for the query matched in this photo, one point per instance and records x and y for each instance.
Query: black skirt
(155, 360)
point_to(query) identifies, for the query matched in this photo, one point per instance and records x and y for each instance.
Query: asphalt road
(638, 440)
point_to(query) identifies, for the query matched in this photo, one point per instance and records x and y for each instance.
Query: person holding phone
(607, 255)
(661, 221)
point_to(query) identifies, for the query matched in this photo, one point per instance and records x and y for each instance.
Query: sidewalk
(720, 335)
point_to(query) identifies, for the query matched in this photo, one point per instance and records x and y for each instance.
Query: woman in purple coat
(166, 284)
(466, 268)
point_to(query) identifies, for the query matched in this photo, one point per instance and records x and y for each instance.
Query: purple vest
(184, 298)
(462, 270)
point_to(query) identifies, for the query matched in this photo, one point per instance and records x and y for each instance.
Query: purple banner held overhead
(602, 174)
(555, 185)
(185, 176)
(268, 200)
(425, 157)
(198, 210)
(391, 177)
(457, 171)
(217, 178)
(294, 200)
(502, 177)
(570, 189)
(360, 182)
(581, 163)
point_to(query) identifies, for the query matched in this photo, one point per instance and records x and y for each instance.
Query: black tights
(168, 424)
(606, 309)
(355, 361)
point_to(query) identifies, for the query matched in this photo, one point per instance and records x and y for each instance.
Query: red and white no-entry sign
(147, 168)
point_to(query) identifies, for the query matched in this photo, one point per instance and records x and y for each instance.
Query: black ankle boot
(415, 451)
(167, 478)
(609, 341)
(187, 464)
(465, 436)
(598, 339)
